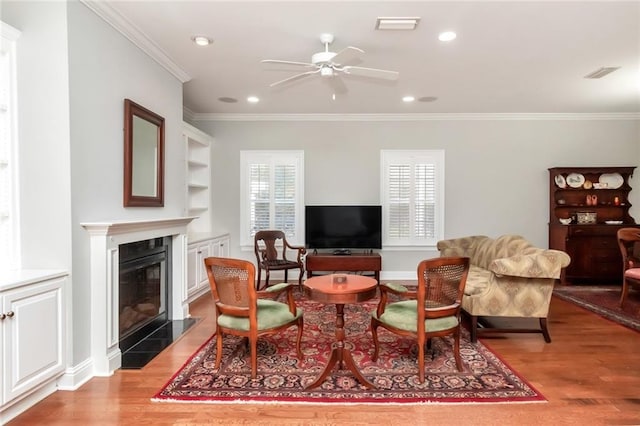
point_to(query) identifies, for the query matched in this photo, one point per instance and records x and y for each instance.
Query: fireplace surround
(106, 239)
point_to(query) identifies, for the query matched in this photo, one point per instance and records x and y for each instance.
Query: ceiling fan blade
(371, 72)
(276, 61)
(295, 77)
(348, 55)
(337, 85)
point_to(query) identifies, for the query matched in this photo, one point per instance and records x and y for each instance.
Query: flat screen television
(343, 227)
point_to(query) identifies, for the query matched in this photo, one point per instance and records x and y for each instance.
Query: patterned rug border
(538, 398)
(604, 312)
(532, 396)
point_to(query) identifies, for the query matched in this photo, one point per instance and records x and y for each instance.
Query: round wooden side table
(340, 289)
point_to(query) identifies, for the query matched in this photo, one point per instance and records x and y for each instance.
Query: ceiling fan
(330, 65)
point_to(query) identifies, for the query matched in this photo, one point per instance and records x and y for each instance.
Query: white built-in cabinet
(32, 339)
(197, 251)
(198, 172)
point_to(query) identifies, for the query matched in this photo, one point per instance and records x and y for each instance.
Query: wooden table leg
(340, 354)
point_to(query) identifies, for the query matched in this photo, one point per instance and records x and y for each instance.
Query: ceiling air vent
(599, 73)
(391, 23)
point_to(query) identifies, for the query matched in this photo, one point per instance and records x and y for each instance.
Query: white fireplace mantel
(105, 239)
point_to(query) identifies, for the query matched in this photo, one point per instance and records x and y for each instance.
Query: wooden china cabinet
(595, 200)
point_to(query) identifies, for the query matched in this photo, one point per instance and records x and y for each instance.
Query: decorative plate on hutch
(560, 182)
(575, 180)
(612, 180)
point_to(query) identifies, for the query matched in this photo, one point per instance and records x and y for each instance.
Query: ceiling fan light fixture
(253, 99)
(388, 23)
(201, 40)
(326, 72)
(408, 98)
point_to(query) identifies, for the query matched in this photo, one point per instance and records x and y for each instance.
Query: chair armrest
(275, 291)
(543, 264)
(300, 250)
(397, 289)
(391, 288)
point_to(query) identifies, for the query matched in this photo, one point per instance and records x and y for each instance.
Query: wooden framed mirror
(143, 157)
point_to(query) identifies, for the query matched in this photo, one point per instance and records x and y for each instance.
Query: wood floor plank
(590, 374)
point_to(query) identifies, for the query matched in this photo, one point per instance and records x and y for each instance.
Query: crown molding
(136, 36)
(188, 114)
(417, 117)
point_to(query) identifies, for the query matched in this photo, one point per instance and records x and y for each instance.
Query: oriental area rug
(282, 378)
(604, 301)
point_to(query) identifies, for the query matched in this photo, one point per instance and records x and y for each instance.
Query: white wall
(496, 170)
(74, 72)
(104, 69)
(43, 132)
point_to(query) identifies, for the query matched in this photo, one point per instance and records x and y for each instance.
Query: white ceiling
(509, 57)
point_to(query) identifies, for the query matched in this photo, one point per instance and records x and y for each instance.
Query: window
(412, 197)
(9, 218)
(272, 187)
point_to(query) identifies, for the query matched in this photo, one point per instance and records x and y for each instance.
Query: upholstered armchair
(629, 242)
(241, 310)
(433, 310)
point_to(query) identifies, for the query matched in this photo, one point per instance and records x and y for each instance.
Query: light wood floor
(590, 374)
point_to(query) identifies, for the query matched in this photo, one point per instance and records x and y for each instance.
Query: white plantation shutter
(272, 198)
(9, 223)
(412, 197)
(285, 188)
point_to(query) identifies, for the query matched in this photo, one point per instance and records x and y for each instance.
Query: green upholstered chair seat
(271, 314)
(404, 316)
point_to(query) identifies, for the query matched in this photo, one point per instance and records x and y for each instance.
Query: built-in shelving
(198, 176)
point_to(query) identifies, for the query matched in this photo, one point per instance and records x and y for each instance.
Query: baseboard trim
(23, 404)
(76, 376)
(397, 275)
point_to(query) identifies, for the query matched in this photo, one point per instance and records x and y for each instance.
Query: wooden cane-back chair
(629, 242)
(433, 310)
(242, 310)
(271, 248)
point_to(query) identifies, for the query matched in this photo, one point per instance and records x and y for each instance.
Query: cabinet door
(32, 347)
(192, 269)
(204, 251)
(220, 247)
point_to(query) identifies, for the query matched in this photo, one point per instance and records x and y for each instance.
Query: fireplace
(143, 284)
(106, 240)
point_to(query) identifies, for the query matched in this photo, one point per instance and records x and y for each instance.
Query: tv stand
(355, 262)
(342, 252)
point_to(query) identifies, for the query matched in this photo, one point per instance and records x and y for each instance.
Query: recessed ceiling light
(228, 100)
(397, 23)
(253, 99)
(201, 40)
(447, 36)
(408, 98)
